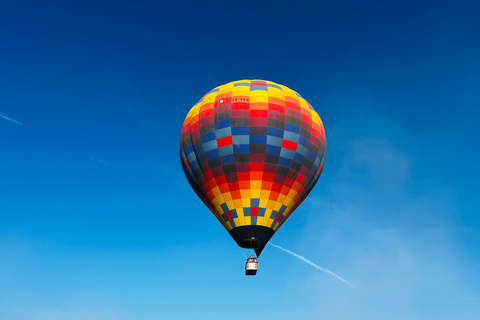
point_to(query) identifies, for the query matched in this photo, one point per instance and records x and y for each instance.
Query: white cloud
(376, 160)
(389, 232)
(313, 264)
(11, 120)
(399, 273)
(96, 159)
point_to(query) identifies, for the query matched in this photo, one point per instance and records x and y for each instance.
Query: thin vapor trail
(313, 264)
(10, 119)
(96, 159)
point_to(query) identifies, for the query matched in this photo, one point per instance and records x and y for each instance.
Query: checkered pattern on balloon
(252, 150)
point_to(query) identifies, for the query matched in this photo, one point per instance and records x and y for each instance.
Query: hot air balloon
(252, 150)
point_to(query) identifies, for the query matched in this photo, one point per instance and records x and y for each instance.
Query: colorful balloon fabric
(252, 150)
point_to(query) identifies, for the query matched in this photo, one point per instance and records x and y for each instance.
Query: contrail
(313, 264)
(96, 159)
(10, 119)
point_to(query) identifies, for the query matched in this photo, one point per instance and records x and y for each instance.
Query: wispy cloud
(313, 264)
(10, 119)
(96, 159)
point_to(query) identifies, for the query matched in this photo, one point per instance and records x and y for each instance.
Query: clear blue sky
(97, 220)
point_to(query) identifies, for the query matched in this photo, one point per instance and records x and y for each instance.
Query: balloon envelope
(252, 150)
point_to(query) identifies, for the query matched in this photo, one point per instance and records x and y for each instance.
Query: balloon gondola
(251, 266)
(252, 150)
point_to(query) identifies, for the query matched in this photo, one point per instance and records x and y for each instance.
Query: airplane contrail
(96, 159)
(10, 119)
(313, 264)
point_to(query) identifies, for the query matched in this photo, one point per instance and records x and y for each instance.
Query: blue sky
(97, 220)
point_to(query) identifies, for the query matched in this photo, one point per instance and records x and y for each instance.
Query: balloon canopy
(252, 150)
